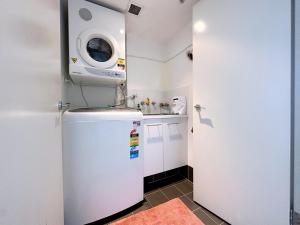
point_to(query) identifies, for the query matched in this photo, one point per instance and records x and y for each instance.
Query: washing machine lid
(98, 48)
(92, 114)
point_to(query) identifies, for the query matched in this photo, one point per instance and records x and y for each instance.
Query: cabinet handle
(153, 125)
(173, 123)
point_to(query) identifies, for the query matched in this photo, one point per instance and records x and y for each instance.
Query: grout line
(170, 185)
(190, 181)
(151, 192)
(149, 203)
(175, 188)
(188, 197)
(165, 195)
(179, 190)
(210, 216)
(196, 209)
(189, 193)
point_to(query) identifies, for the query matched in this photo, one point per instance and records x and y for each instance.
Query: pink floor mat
(173, 212)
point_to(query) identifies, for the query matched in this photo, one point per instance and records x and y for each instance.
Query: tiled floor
(184, 191)
(297, 219)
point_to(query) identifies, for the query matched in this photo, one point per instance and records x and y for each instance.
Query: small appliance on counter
(178, 105)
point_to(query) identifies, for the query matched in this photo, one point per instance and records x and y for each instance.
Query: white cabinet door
(175, 145)
(153, 149)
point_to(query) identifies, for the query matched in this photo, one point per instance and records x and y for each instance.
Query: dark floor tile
(171, 192)
(203, 217)
(156, 198)
(185, 186)
(143, 207)
(190, 204)
(296, 219)
(212, 216)
(190, 196)
(150, 192)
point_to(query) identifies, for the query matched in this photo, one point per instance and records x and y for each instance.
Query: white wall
(177, 78)
(95, 96)
(297, 112)
(30, 131)
(145, 71)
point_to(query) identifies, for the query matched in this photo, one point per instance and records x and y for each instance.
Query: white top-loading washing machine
(96, 44)
(102, 163)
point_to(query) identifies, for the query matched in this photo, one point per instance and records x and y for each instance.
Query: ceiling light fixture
(200, 26)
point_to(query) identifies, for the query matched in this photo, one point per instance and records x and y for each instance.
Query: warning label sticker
(121, 64)
(74, 60)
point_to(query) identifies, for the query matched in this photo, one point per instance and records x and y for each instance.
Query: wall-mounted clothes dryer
(97, 54)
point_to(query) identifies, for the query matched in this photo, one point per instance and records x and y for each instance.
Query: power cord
(84, 99)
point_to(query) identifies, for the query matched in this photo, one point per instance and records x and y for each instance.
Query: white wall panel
(30, 131)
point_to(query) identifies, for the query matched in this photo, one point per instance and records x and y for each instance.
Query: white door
(297, 111)
(242, 76)
(30, 130)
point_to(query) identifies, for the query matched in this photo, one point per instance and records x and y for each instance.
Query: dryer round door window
(98, 49)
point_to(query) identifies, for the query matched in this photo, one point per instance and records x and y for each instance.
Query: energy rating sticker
(134, 143)
(134, 153)
(134, 140)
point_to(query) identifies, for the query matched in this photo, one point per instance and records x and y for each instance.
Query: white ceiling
(158, 21)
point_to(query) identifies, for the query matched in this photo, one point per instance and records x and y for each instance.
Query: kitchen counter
(162, 116)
